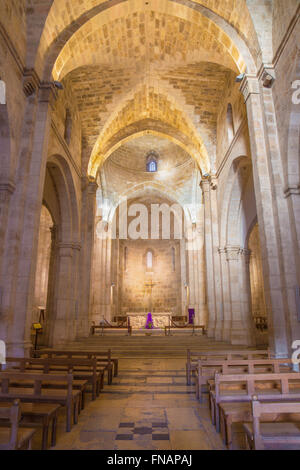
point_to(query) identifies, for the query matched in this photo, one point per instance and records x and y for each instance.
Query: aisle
(148, 407)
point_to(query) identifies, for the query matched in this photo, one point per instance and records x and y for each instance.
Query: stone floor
(148, 406)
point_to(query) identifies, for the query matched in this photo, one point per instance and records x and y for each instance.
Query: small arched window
(149, 259)
(173, 259)
(68, 127)
(2, 92)
(230, 124)
(151, 162)
(125, 258)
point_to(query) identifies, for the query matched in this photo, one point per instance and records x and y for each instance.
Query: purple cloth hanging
(191, 316)
(149, 322)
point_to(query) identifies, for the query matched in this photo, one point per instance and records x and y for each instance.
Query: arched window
(149, 260)
(125, 258)
(68, 127)
(173, 259)
(151, 162)
(2, 92)
(230, 124)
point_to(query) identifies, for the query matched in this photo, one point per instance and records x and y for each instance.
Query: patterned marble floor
(148, 407)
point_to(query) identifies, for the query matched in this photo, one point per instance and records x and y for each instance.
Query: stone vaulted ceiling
(160, 66)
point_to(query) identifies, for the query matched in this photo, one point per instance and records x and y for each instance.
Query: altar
(160, 320)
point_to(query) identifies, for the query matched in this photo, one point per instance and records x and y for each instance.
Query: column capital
(7, 186)
(90, 183)
(205, 185)
(67, 248)
(53, 231)
(246, 254)
(47, 90)
(232, 252)
(292, 191)
(31, 82)
(266, 75)
(249, 86)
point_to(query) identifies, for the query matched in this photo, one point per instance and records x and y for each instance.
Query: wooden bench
(108, 326)
(266, 386)
(12, 437)
(184, 327)
(23, 365)
(104, 358)
(206, 369)
(82, 369)
(37, 394)
(263, 435)
(194, 356)
(40, 415)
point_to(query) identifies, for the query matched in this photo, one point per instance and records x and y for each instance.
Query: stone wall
(166, 294)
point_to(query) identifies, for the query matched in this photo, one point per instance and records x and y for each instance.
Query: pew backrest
(47, 365)
(260, 409)
(285, 381)
(13, 415)
(8, 378)
(250, 366)
(72, 354)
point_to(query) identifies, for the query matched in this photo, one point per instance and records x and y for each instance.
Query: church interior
(149, 224)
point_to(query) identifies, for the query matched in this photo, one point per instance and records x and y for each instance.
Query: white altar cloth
(160, 320)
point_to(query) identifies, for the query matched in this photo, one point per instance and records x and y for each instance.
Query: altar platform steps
(150, 347)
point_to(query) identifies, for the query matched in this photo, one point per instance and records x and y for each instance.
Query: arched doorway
(257, 288)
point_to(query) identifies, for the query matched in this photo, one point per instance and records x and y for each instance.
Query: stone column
(216, 258)
(183, 275)
(226, 333)
(239, 330)
(246, 302)
(6, 190)
(49, 321)
(88, 218)
(74, 329)
(62, 314)
(101, 278)
(213, 268)
(277, 257)
(211, 300)
(20, 247)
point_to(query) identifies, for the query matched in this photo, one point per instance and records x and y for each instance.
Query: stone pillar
(52, 278)
(239, 330)
(62, 314)
(88, 212)
(20, 247)
(246, 302)
(213, 268)
(6, 191)
(101, 279)
(74, 329)
(273, 216)
(226, 333)
(216, 258)
(211, 300)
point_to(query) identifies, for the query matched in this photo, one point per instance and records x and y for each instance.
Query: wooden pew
(103, 358)
(206, 369)
(194, 356)
(39, 415)
(23, 365)
(82, 369)
(184, 327)
(239, 388)
(37, 394)
(12, 437)
(261, 435)
(108, 326)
